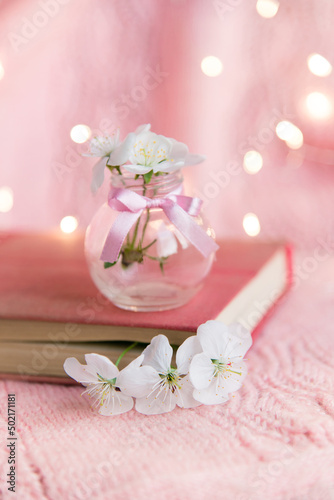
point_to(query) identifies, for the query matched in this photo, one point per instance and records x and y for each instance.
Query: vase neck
(158, 187)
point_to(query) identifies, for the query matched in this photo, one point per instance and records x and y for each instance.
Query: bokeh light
(6, 199)
(253, 162)
(318, 65)
(251, 224)
(319, 106)
(2, 71)
(211, 66)
(80, 133)
(69, 224)
(267, 8)
(290, 133)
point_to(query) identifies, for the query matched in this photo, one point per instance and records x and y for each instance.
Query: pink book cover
(45, 277)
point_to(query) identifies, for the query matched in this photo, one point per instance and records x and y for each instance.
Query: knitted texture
(273, 440)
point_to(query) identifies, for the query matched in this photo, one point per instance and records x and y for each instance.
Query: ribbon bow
(178, 209)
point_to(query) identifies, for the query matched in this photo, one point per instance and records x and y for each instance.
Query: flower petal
(98, 175)
(79, 372)
(116, 136)
(138, 381)
(168, 166)
(137, 169)
(142, 128)
(186, 352)
(240, 343)
(231, 379)
(121, 153)
(116, 404)
(201, 371)
(213, 336)
(161, 400)
(211, 395)
(103, 145)
(179, 151)
(184, 396)
(167, 243)
(135, 363)
(220, 341)
(102, 365)
(182, 240)
(158, 354)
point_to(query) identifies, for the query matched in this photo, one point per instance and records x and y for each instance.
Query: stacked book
(50, 309)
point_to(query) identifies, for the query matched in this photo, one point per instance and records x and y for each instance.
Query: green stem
(145, 225)
(114, 167)
(149, 245)
(135, 233)
(124, 352)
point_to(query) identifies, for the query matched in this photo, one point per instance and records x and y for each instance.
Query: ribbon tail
(191, 230)
(117, 235)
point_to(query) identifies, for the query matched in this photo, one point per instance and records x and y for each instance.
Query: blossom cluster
(142, 153)
(209, 367)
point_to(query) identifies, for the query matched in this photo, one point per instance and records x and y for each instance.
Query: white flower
(167, 239)
(111, 151)
(181, 150)
(100, 376)
(157, 386)
(158, 153)
(104, 145)
(219, 369)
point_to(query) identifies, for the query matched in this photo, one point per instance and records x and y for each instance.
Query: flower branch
(209, 368)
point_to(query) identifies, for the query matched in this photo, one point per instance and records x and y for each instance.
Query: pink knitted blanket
(273, 440)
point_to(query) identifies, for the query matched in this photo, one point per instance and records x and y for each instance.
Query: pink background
(274, 440)
(76, 66)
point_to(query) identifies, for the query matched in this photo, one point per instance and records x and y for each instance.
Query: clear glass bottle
(158, 268)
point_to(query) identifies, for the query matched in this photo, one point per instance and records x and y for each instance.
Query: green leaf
(136, 177)
(106, 265)
(148, 177)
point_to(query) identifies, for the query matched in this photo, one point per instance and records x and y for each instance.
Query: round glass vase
(157, 268)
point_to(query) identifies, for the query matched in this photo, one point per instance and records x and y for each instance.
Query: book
(50, 308)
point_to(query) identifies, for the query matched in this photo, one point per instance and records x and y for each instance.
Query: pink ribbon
(178, 209)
